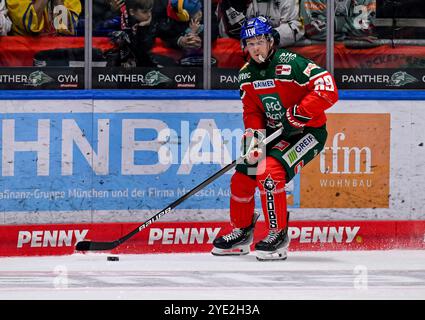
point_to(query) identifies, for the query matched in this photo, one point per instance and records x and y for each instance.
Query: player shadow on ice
(299, 257)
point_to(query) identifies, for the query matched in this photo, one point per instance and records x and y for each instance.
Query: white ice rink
(386, 275)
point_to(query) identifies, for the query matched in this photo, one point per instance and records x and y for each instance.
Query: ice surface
(395, 274)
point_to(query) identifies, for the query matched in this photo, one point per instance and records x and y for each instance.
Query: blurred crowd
(134, 25)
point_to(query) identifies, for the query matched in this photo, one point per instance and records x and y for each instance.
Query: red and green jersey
(288, 79)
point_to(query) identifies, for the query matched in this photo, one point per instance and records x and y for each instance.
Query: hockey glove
(293, 123)
(251, 149)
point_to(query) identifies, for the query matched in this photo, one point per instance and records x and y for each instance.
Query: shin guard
(271, 183)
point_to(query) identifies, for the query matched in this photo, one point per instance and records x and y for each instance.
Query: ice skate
(237, 242)
(273, 247)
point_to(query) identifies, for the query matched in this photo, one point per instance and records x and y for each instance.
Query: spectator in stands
(5, 23)
(106, 17)
(180, 15)
(361, 20)
(182, 28)
(34, 17)
(230, 16)
(142, 31)
(139, 20)
(353, 19)
(284, 17)
(191, 39)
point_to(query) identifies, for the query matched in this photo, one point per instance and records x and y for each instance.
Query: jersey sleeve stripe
(318, 75)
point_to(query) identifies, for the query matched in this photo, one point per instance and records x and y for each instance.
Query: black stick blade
(83, 246)
(95, 246)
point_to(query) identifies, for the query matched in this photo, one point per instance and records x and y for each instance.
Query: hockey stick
(87, 245)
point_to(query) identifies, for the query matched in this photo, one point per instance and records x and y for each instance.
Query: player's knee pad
(241, 184)
(270, 166)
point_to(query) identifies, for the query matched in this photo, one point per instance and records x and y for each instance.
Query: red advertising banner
(20, 51)
(189, 237)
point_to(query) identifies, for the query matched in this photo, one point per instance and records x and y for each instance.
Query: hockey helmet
(255, 27)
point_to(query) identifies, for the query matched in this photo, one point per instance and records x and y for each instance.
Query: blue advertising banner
(117, 155)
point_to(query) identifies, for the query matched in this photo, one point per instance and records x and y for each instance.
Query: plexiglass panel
(150, 44)
(41, 44)
(383, 46)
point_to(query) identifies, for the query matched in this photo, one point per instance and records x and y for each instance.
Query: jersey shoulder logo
(309, 68)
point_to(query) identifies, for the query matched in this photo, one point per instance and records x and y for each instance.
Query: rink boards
(191, 237)
(98, 164)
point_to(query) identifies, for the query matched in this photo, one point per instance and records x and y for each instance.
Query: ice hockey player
(278, 88)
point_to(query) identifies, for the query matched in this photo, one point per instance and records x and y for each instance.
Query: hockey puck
(111, 258)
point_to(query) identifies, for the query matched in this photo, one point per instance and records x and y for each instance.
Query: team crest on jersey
(283, 70)
(273, 108)
(309, 68)
(262, 84)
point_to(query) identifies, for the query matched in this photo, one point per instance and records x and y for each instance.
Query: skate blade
(280, 254)
(230, 252)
